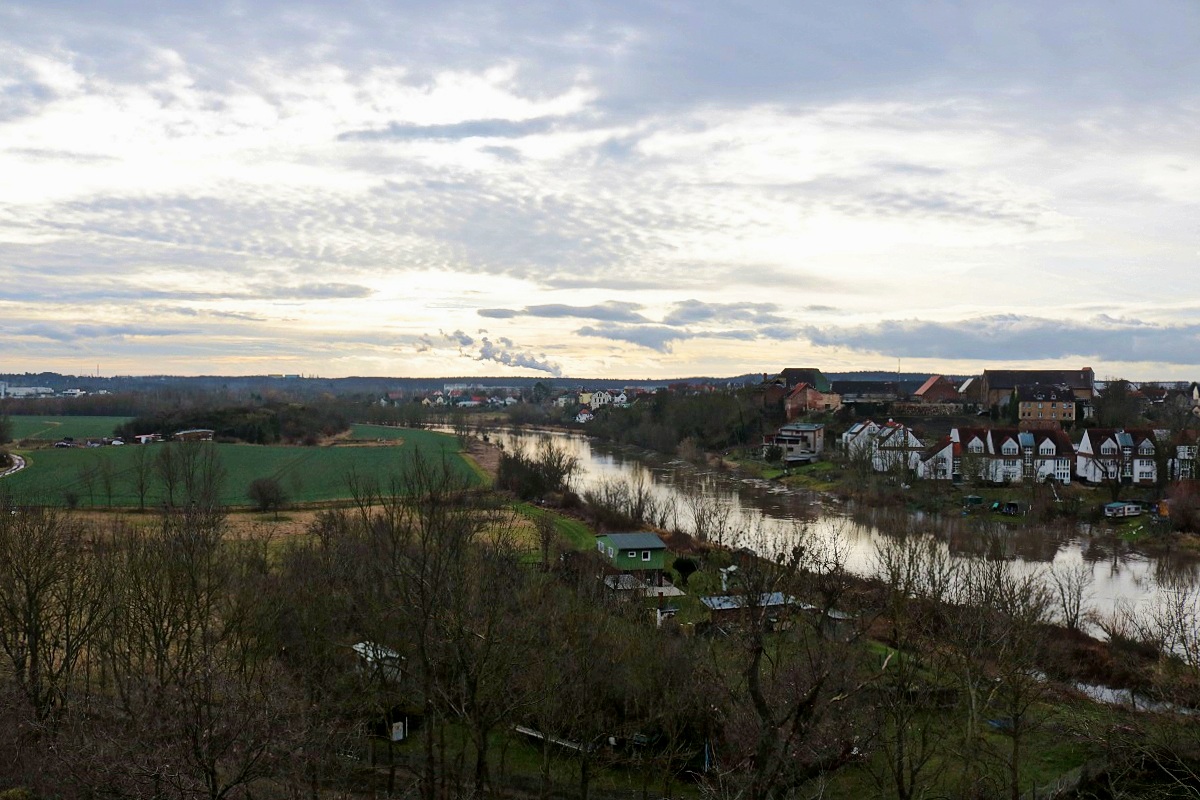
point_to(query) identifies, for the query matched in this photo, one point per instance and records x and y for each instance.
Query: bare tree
(166, 467)
(710, 516)
(54, 600)
(141, 474)
(915, 572)
(788, 717)
(1071, 585)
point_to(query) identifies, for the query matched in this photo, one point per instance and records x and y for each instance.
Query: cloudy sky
(625, 189)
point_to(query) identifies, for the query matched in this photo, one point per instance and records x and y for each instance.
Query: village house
(774, 388)
(1001, 455)
(937, 389)
(887, 447)
(1040, 405)
(1114, 454)
(1183, 465)
(600, 399)
(636, 562)
(805, 398)
(801, 442)
(997, 385)
(861, 392)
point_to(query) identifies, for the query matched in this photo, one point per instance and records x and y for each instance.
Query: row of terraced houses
(1036, 449)
(1012, 455)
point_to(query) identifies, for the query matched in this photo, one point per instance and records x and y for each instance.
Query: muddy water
(758, 508)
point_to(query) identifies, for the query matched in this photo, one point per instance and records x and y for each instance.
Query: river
(1122, 574)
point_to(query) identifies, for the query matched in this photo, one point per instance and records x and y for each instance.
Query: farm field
(54, 428)
(106, 476)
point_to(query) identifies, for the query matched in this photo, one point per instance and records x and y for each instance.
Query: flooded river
(1122, 573)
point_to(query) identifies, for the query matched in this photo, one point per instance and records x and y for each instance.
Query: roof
(798, 427)
(810, 375)
(373, 651)
(732, 602)
(1001, 379)
(865, 387)
(1029, 392)
(635, 541)
(930, 383)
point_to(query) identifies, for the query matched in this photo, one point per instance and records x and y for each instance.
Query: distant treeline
(270, 423)
(664, 421)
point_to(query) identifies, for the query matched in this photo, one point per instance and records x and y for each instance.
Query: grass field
(54, 428)
(308, 474)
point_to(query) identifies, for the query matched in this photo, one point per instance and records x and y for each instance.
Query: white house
(1000, 455)
(601, 398)
(888, 446)
(1114, 454)
(800, 441)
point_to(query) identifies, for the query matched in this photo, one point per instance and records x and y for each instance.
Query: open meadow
(108, 476)
(52, 429)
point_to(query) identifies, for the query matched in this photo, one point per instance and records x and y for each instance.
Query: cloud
(467, 129)
(1013, 337)
(690, 312)
(459, 338)
(76, 333)
(653, 337)
(611, 311)
(510, 358)
(311, 291)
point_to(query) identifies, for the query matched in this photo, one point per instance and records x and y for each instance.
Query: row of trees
(264, 423)
(176, 661)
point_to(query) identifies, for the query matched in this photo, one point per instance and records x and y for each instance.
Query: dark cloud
(612, 311)
(653, 337)
(1010, 337)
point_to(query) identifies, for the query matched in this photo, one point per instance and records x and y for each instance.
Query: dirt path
(486, 455)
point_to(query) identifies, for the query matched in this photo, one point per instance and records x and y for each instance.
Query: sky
(630, 189)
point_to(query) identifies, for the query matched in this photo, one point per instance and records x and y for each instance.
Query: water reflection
(1122, 574)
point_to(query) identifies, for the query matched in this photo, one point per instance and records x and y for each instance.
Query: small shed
(635, 559)
(731, 607)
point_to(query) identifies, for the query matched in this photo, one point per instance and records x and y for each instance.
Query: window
(600, 546)
(631, 554)
(610, 552)
(645, 555)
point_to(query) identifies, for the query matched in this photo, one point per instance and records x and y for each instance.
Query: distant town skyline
(634, 190)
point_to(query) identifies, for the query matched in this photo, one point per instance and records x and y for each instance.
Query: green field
(308, 474)
(54, 428)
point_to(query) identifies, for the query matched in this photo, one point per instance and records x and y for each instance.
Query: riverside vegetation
(160, 655)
